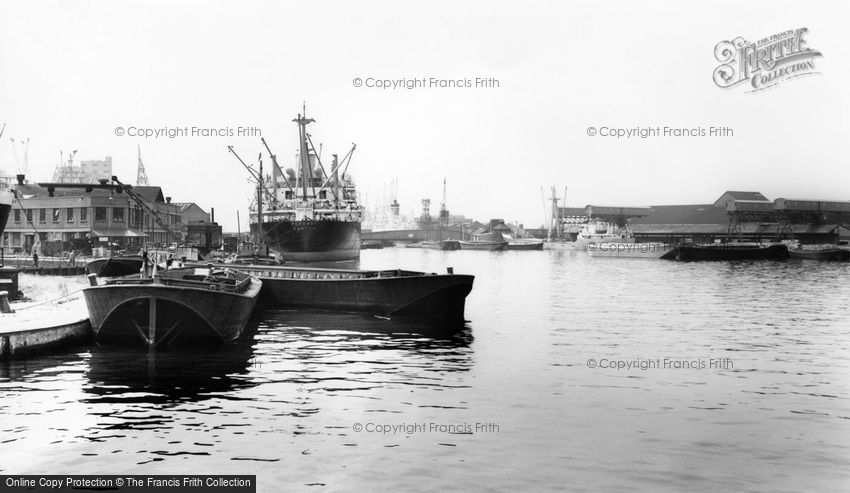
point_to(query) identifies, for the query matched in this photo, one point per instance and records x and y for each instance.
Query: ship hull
(731, 252)
(632, 250)
(437, 299)
(313, 241)
(115, 266)
(484, 245)
(525, 245)
(5, 208)
(838, 254)
(160, 315)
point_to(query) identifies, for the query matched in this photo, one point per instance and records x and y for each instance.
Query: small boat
(187, 306)
(525, 244)
(819, 252)
(732, 251)
(485, 241)
(117, 266)
(436, 298)
(632, 250)
(371, 245)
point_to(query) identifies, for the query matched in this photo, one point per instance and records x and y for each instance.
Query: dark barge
(175, 307)
(435, 298)
(115, 266)
(732, 251)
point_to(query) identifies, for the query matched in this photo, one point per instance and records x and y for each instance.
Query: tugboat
(485, 241)
(314, 215)
(176, 307)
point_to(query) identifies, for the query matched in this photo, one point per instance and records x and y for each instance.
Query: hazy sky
(73, 71)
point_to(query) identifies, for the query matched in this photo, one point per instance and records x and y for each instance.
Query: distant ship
(311, 216)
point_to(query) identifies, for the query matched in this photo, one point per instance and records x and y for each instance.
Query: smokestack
(212, 215)
(167, 200)
(20, 179)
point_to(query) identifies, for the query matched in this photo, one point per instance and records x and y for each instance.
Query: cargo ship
(311, 215)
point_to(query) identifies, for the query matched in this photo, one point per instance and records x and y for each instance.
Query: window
(29, 215)
(69, 215)
(16, 239)
(117, 215)
(84, 215)
(17, 215)
(5, 240)
(100, 213)
(56, 215)
(42, 215)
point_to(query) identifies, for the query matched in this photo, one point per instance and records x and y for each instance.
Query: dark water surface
(749, 388)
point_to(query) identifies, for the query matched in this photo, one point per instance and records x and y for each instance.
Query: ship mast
(304, 152)
(260, 189)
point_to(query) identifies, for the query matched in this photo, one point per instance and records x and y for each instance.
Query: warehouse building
(83, 216)
(735, 215)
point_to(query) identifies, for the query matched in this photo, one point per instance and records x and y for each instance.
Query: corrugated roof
(683, 214)
(764, 229)
(572, 211)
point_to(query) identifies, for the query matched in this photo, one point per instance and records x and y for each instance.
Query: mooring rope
(50, 301)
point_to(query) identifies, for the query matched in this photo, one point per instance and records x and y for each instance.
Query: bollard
(450, 270)
(92, 279)
(4, 302)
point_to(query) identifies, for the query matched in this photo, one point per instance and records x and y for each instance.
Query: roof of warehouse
(683, 214)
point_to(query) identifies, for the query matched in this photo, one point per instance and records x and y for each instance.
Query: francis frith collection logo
(765, 63)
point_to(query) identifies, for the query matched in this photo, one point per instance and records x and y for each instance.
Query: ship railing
(326, 274)
(196, 282)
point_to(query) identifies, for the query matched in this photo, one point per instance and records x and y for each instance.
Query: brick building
(82, 217)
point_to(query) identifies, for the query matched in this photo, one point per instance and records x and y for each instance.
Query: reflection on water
(285, 402)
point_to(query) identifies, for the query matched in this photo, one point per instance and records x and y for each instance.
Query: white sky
(73, 71)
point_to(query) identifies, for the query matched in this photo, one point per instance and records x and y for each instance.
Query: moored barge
(191, 306)
(732, 251)
(118, 266)
(436, 298)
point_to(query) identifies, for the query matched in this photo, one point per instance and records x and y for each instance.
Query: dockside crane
(141, 174)
(444, 212)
